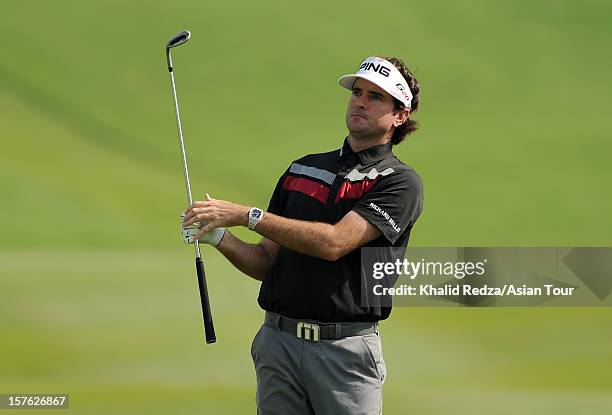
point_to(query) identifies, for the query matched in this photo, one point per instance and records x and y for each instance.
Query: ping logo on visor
(371, 66)
(384, 74)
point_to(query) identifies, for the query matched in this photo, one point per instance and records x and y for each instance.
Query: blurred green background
(98, 296)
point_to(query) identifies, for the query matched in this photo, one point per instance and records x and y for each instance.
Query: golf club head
(179, 39)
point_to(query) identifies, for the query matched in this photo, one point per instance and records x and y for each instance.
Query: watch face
(256, 214)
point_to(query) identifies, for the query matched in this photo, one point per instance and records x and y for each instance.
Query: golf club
(209, 329)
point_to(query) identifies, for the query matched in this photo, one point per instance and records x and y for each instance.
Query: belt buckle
(308, 331)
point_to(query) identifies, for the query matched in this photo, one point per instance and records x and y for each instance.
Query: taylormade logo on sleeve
(386, 216)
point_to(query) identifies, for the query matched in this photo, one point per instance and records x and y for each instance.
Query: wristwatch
(255, 216)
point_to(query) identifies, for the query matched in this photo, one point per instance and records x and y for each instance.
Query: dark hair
(410, 125)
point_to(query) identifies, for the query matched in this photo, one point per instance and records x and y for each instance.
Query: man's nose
(360, 102)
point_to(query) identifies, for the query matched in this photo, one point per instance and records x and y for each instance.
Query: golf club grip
(209, 328)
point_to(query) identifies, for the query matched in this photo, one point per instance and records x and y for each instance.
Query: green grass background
(98, 297)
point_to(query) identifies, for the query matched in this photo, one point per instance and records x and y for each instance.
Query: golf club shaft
(182, 142)
(209, 328)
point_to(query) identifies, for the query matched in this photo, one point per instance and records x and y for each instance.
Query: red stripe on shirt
(308, 187)
(354, 190)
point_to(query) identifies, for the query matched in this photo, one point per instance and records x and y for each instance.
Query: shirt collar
(369, 155)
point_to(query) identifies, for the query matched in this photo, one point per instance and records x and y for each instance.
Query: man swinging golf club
(319, 351)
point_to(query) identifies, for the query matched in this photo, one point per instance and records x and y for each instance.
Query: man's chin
(360, 134)
(355, 133)
(356, 125)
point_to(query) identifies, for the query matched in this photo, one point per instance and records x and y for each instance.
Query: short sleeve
(393, 204)
(275, 205)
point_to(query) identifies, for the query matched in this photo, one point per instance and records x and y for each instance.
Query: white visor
(384, 74)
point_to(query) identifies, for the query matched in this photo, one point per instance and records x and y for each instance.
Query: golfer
(318, 350)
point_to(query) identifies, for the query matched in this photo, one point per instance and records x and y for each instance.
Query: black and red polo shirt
(325, 187)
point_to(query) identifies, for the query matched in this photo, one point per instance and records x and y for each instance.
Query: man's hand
(215, 214)
(190, 232)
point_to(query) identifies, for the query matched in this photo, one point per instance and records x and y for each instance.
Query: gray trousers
(304, 377)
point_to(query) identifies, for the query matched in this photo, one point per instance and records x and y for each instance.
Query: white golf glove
(211, 238)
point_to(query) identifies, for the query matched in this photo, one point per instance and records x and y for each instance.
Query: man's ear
(402, 116)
